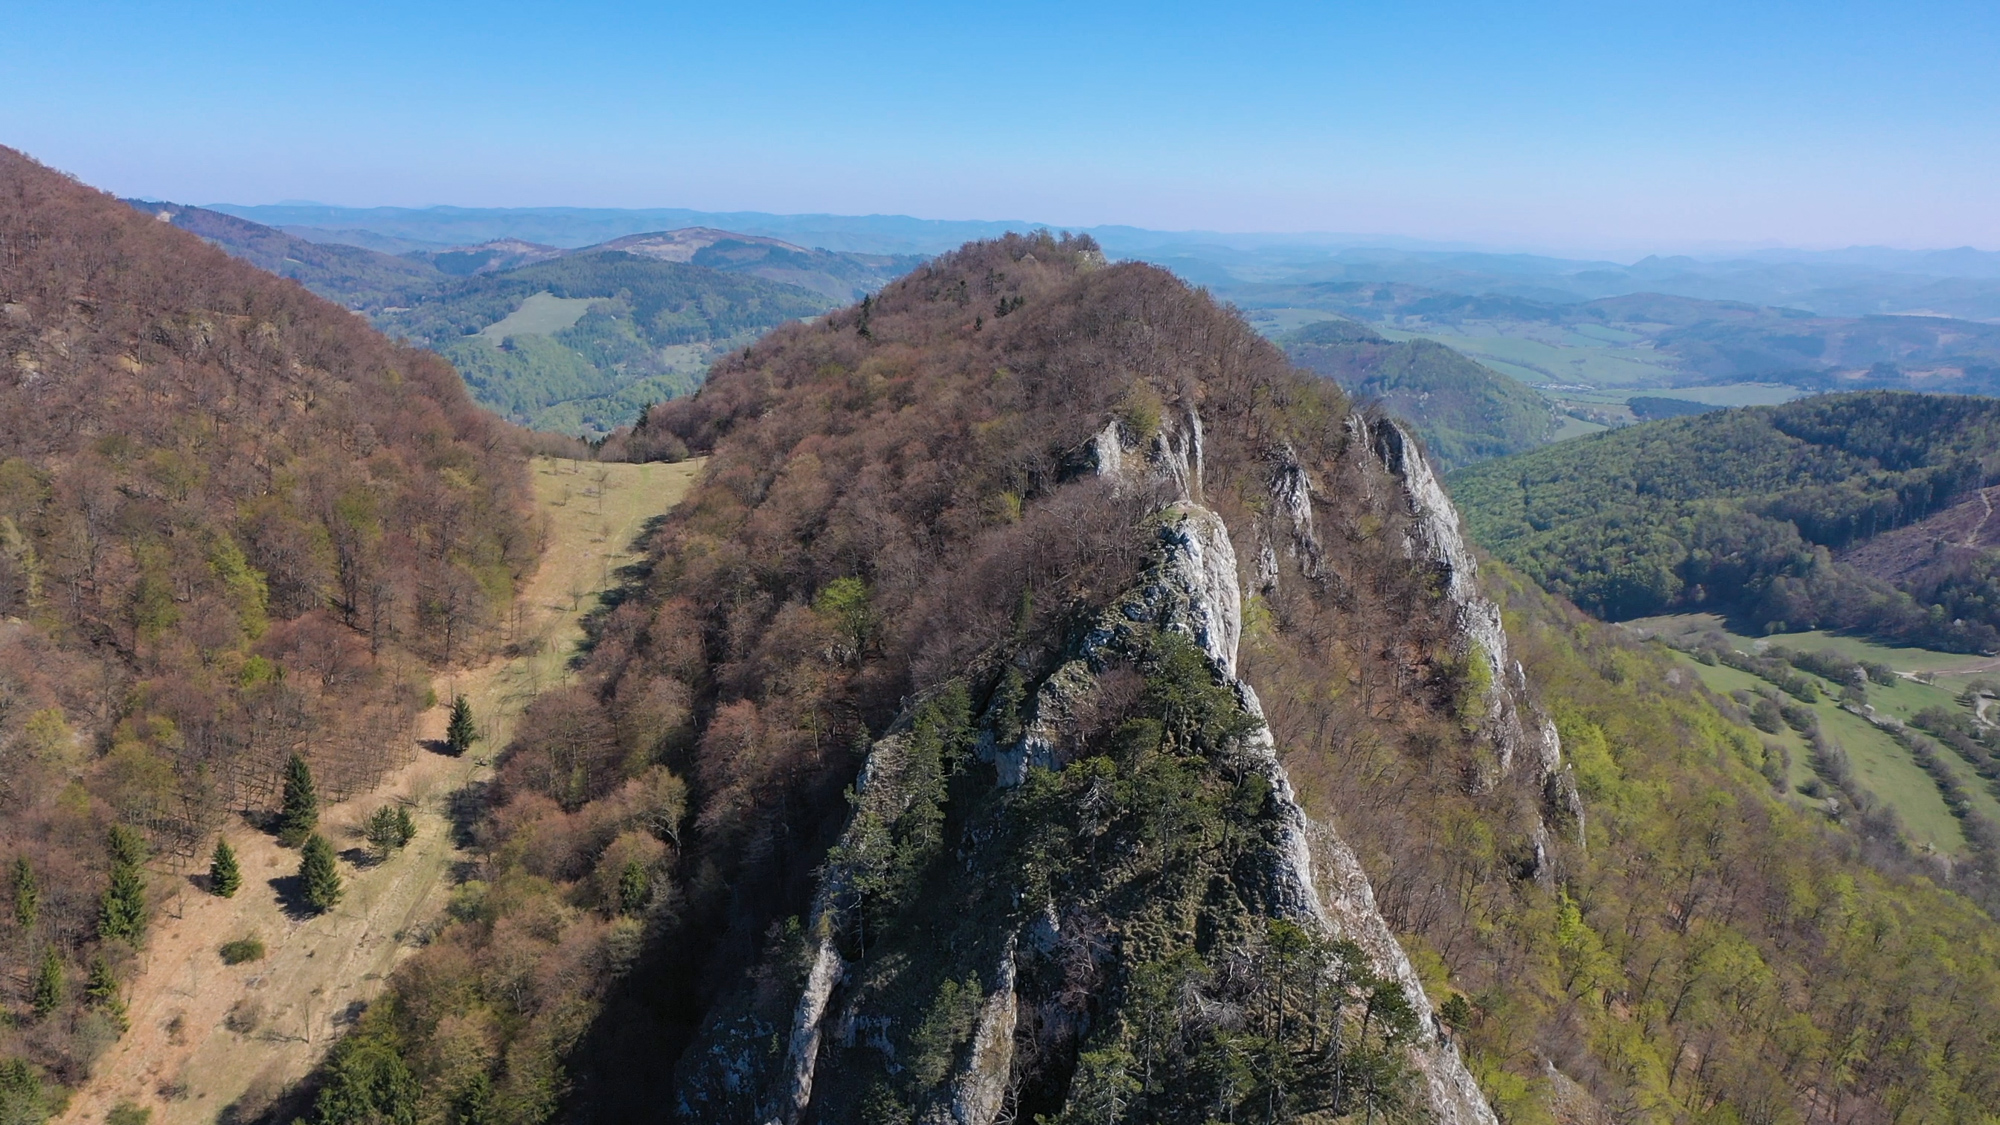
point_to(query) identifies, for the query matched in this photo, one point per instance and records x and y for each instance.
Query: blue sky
(1605, 127)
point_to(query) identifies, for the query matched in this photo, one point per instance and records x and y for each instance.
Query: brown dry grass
(206, 1035)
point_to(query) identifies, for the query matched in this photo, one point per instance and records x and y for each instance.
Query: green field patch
(1604, 366)
(542, 314)
(1888, 771)
(1903, 658)
(1575, 427)
(1737, 394)
(1880, 763)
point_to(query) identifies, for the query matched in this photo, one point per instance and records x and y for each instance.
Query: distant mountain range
(1584, 335)
(569, 339)
(1857, 281)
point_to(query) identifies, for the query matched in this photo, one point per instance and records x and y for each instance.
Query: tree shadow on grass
(291, 894)
(630, 582)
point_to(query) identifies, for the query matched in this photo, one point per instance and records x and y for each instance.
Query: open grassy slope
(210, 1039)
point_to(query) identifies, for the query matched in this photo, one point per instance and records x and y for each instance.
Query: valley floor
(210, 1041)
(1924, 679)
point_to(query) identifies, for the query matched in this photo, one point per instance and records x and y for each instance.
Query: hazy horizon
(1569, 128)
(1332, 239)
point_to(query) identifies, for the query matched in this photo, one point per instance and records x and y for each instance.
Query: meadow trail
(209, 1039)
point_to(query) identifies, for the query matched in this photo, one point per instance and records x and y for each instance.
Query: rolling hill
(1071, 716)
(349, 275)
(236, 525)
(1463, 411)
(581, 342)
(1847, 511)
(514, 316)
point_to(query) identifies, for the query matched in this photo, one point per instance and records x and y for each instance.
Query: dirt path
(206, 1036)
(1972, 537)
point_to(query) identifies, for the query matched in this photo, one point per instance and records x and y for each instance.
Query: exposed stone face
(981, 1089)
(1315, 879)
(1521, 734)
(1195, 590)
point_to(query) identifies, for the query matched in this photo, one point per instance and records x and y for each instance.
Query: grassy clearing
(1576, 427)
(1735, 394)
(1601, 366)
(543, 314)
(1881, 764)
(1900, 657)
(229, 1038)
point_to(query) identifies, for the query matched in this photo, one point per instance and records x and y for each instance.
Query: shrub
(241, 950)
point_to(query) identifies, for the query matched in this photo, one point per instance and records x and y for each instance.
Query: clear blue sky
(1603, 126)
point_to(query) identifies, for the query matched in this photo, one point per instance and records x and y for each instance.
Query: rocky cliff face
(1522, 737)
(1312, 877)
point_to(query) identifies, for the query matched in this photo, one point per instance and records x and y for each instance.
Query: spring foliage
(1715, 953)
(233, 520)
(1740, 512)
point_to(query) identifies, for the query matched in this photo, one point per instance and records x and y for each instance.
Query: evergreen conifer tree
(121, 913)
(319, 875)
(224, 876)
(384, 830)
(301, 810)
(103, 991)
(48, 991)
(27, 893)
(406, 825)
(459, 734)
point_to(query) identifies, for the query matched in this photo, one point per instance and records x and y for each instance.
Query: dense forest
(933, 537)
(1464, 412)
(1745, 512)
(236, 525)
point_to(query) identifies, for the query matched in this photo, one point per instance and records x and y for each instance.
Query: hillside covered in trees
(570, 340)
(1465, 412)
(1051, 705)
(1764, 514)
(236, 525)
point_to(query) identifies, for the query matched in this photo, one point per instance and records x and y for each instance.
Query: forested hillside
(635, 330)
(235, 525)
(350, 275)
(931, 770)
(1465, 412)
(573, 341)
(1747, 512)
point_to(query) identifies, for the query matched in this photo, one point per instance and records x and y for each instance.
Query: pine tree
(459, 734)
(406, 825)
(27, 893)
(121, 913)
(48, 991)
(224, 876)
(301, 811)
(103, 992)
(387, 829)
(318, 874)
